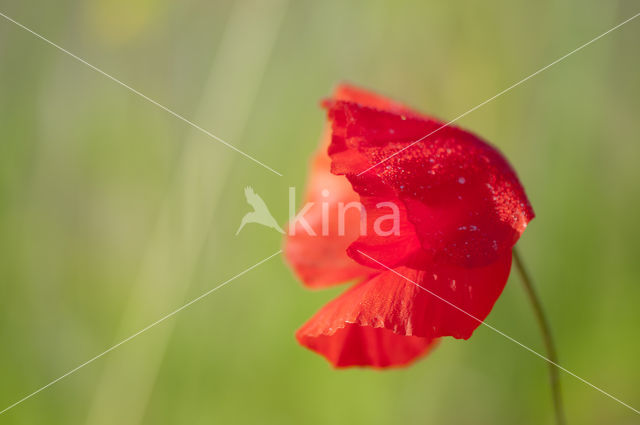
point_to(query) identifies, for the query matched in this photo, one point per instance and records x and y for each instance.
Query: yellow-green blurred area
(113, 212)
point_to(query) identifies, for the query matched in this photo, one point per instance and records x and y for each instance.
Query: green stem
(543, 323)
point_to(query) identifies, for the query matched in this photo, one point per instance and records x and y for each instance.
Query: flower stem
(546, 336)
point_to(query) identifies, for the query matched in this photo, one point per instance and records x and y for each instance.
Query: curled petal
(394, 246)
(394, 317)
(355, 345)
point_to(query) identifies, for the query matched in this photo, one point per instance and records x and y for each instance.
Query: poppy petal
(320, 259)
(389, 320)
(389, 234)
(355, 345)
(464, 200)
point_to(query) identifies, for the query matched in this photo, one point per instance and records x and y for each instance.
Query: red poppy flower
(459, 209)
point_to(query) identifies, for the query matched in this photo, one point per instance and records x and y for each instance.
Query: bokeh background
(114, 213)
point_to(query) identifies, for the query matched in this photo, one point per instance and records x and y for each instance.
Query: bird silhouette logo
(260, 213)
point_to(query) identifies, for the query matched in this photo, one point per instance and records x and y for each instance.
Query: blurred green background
(114, 213)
